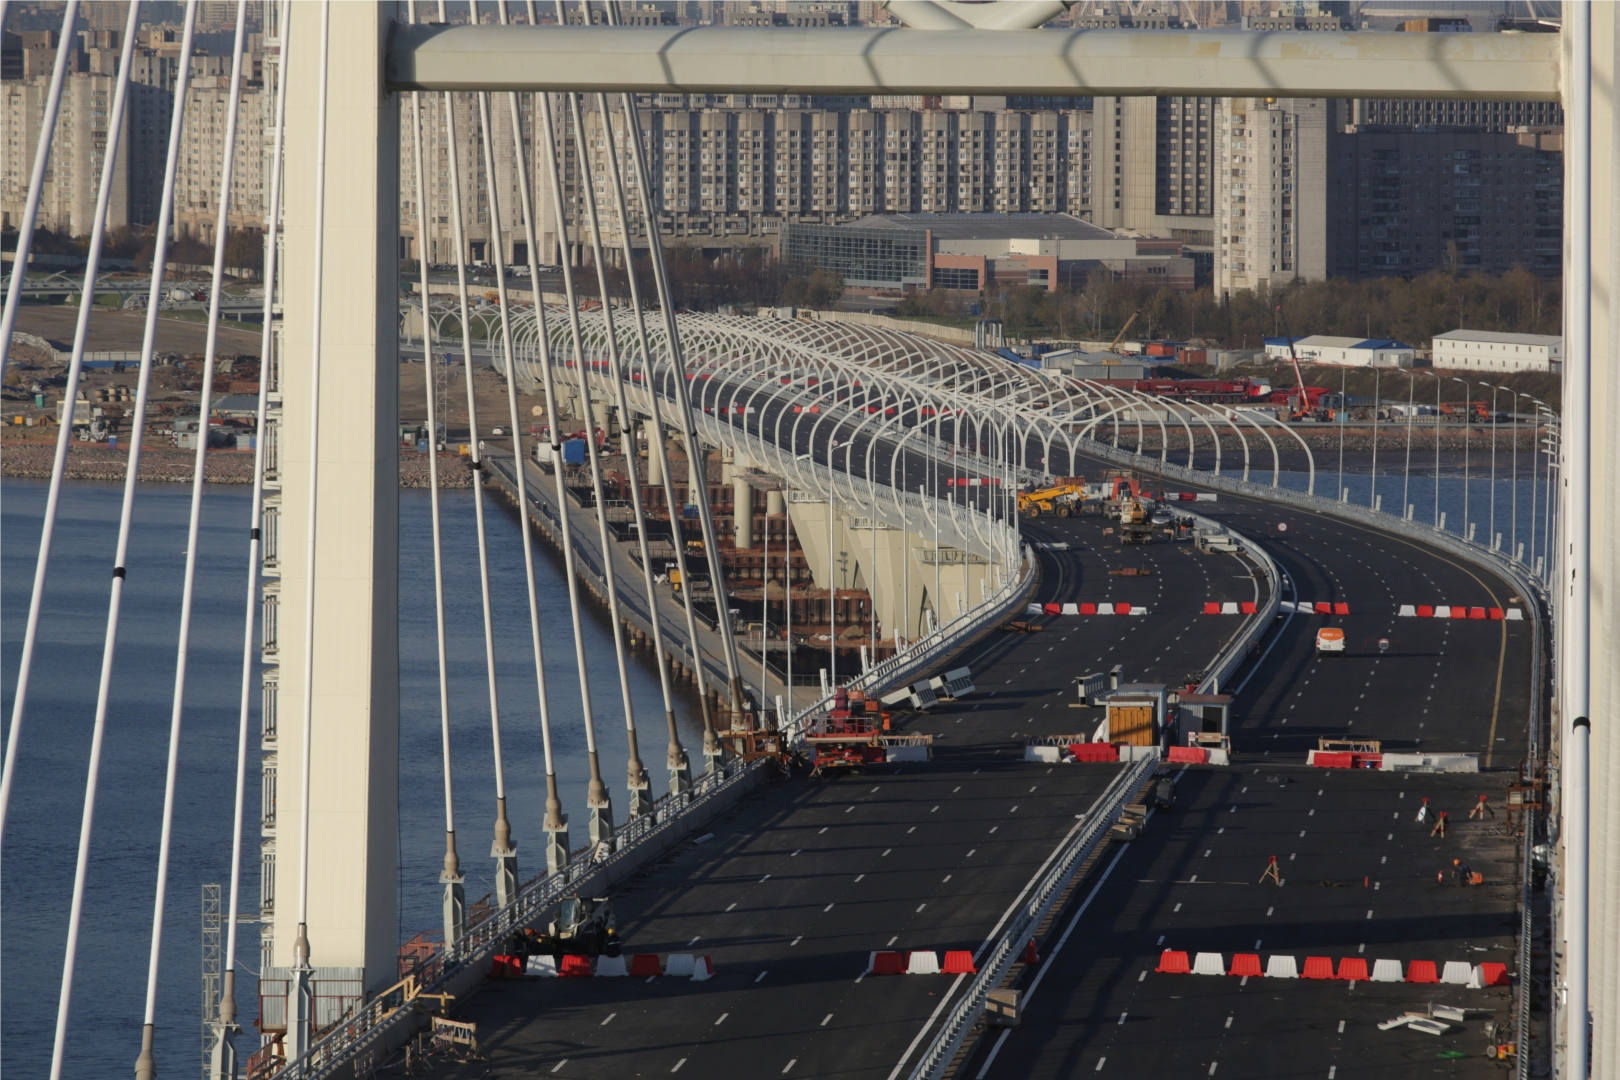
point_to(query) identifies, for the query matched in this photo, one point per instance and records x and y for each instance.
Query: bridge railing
(959, 1022)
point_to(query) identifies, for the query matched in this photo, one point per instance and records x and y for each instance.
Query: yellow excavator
(1135, 524)
(1059, 499)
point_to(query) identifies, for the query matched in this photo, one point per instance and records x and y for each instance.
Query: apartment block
(1271, 216)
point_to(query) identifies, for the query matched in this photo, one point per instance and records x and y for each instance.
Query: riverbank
(94, 461)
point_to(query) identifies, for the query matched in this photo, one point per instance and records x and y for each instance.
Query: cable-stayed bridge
(894, 463)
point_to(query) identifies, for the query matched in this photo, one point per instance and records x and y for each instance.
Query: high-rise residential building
(1271, 214)
(202, 152)
(72, 184)
(1407, 201)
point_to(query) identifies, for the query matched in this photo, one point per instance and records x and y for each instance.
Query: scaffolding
(213, 968)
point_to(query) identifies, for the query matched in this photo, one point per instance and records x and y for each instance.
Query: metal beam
(772, 60)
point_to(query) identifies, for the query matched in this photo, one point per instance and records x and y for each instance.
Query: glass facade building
(874, 258)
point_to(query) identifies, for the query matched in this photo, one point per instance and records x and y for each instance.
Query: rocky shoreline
(88, 461)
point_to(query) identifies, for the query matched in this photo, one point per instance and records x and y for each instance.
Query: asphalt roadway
(800, 884)
(1359, 872)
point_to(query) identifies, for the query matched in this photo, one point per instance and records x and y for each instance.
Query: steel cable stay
(554, 825)
(639, 786)
(680, 771)
(450, 875)
(36, 180)
(125, 524)
(222, 1055)
(301, 988)
(64, 433)
(597, 799)
(503, 851)
(145, 1064)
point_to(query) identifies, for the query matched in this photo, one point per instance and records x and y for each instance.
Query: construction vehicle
(1115, 492)
(1059, 499)
(1467, 411)
(1302, 404)
(1135, 523)
(582, 926)
(1119, 337)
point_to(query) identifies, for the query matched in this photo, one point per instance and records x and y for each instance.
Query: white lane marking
(1099, 1060)
(886, 851)
(823, 829)
(797, 850)
(722, 1019)
(558, 1067)
(795, 1061)
(993, 828)
(1229, 1023)
(1122, 1017)
(1177, 908)
(1341, 1027)
(858, 877)
(828, 1019)
(731, 905)
(1014, 810)
(934, 810)
(849, 810)
(693, 942)
(826, 909)
(1142, 977)
(610, 1016)
(954, 790)
(760, 976)
(921, 906)
(678, 1065)
(911, 830)
(764, 879)
(970, 852)
(892, 940)
(1212, 1067)
(1332, 1069)
(795, 941)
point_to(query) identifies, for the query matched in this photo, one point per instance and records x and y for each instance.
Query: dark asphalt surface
(1358, 871)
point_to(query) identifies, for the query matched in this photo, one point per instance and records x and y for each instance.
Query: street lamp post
(1467, 419)
(1343, 402)
(1491, 538)
(1372, 495)
(1406, 483)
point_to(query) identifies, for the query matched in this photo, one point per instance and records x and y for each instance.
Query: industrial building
(1344, 351)
(1488, 350)
(975, 252)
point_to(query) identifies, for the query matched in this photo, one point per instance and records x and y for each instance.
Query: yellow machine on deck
(1059, 499)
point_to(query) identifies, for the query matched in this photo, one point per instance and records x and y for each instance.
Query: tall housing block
(354, 773)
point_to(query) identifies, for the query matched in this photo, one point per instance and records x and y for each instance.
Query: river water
(37, 876)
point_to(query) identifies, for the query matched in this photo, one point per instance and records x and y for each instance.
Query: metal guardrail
(959, 1022)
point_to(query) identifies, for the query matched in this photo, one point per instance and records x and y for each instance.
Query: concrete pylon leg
(601, 829)
(300, 1010)
(506, 878)
(655, 464)
(222, 1052)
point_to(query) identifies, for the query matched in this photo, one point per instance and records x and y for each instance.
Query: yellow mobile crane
(1059, 499)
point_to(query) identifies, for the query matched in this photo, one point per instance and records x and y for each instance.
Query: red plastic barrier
(889, 963)
(1496, 613)
(1422, 971)
(1094, 751)
(1324, 608)
(1122, 608)
(1088, 609)
(1317, 967)
(959, 962)
(1459, 612)
(575, 967)
(1246, 964)
(1345, 760)
(506, 967)
(1173, 962)
(1341, 609)
(1052, 609)
(645, 964)
(1247, 607)
(1425, 611)
(1193, 755)
(1494, 974)
(1353, 969)
(1476, 613)
(1211, 607)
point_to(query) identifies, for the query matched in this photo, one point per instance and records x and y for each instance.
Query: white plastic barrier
(1282, 967)
(1049, 755)
(1229, 607)
(1071, 609)
(1407, 611)
(1387, 971)
(1442, 612)
(906, 753)
(922, 962)
(701, 971)
(1208, 963)
(608, 967)
(1513, 614)
(543, 966)
(1105, 609)
(1457, 972)
(680, 963)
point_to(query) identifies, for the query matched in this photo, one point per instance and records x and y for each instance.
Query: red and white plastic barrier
(920, 962)
(972, 481)
(638, 965)
(1315, 607)
(1229, 607)
(1391, 762)
(1460, 611)
(1120, 607)
(1349, 969)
